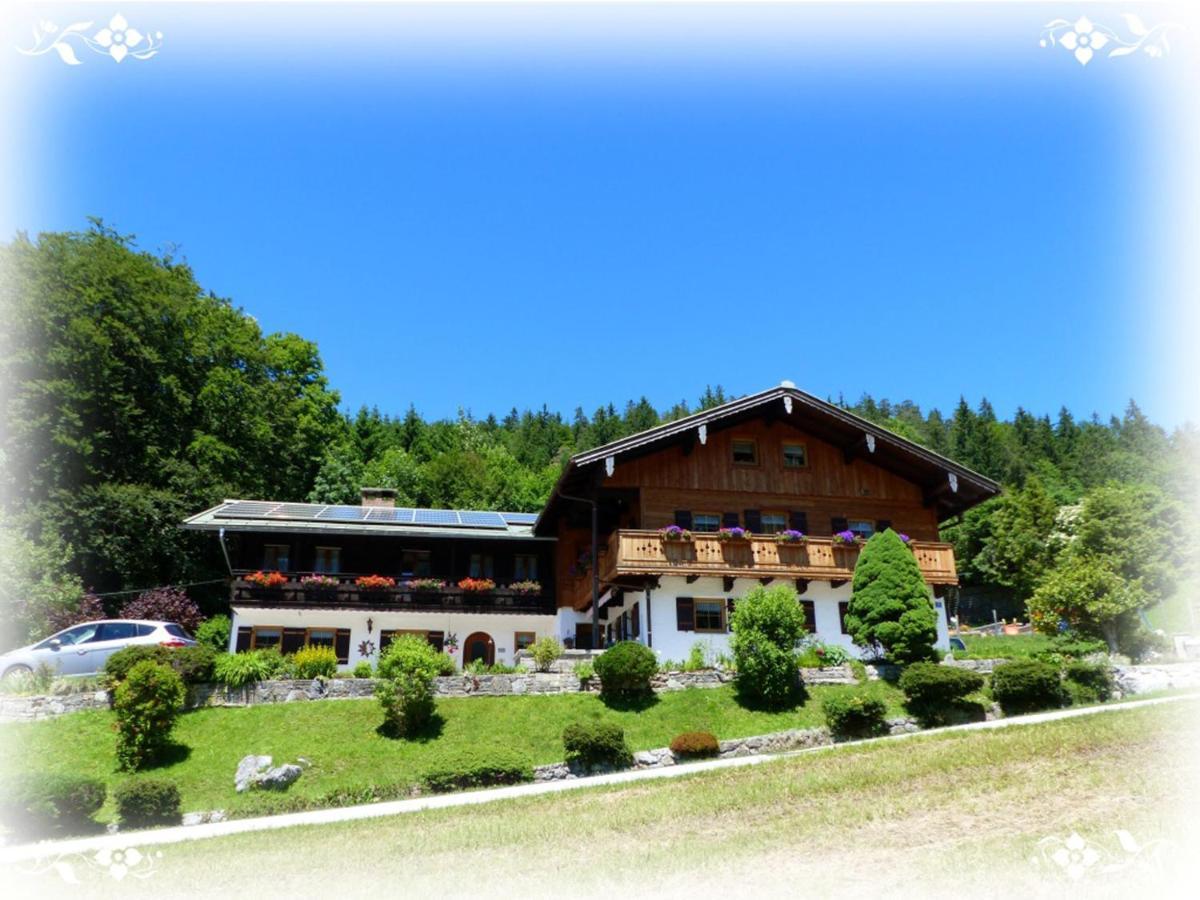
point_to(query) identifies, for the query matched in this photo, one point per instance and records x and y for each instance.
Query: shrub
(446, 664)
(237, 670)
(584, 671)
(479, 768)
(817, 655)
(1089, 682)
(697, 658)
(314, 662)
(1027, 685)
(854, 714)
(596, 744)
(362, 669)
(147, 802)
(545, 651)
(625, 669)
(147, 704)
(193, 664)
(42, 804)
(767, 623)
(890, 605)
(695, 744)
(167, 604)
(935, 691)
(88, 609)
(405, 684)
(215, 632)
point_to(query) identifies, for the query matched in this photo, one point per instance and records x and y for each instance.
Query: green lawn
(347, 752)
(1003, 646)
(950, 815)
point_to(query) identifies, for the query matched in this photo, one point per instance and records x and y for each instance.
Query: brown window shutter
(341, 646)
(438, 639)
(685, 619)
(243, 639)
(729, 520)
(753, 520)
(798, 520)
(385, 638)
(636, 621)
(837, 523)
(293, 640)
(883, 525)
(843, 608)
(683, 518)
(810, 616)
(729, 604)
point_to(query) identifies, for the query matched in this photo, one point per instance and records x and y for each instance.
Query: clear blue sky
(573, 211)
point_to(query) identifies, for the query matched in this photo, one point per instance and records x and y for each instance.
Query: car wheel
(17, 671)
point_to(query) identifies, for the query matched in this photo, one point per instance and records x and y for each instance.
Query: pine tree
(889, 604)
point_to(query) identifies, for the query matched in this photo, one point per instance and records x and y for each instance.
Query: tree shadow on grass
(170, 755)
(430, 731)
(752, 702)
(629, 702)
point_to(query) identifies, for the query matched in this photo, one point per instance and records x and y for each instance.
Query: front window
(862, 528)
(275, 557)
(795, 456)
(415, 563)
(710, 615)
(320, 637)
(745, 452)
(525, 567)
(774, 522)
(266, 637)
(523, 639)
(328, 560)
(706, 522)
(481, 565)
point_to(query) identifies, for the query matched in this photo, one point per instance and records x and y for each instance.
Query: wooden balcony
(631, 553)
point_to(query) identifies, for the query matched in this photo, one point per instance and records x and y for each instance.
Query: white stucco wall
(670, 643)
(502, 627)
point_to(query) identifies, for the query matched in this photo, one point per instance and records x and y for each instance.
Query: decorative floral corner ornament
(1075, 857)
(1083, 38)
(114, 862)
(117, 40)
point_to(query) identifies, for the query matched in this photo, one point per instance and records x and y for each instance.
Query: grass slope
(949, 815)
(341, 738)
(1003, 646)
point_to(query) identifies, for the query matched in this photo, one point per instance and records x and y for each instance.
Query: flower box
(674, 533)
(267, 580)
(424, 585)
(375, 583)
(847, 539)
(736, 533)
(791, 537)
(477, 585)
(526, 588)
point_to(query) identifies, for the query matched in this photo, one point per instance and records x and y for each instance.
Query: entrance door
(479, 646)
(583, 636)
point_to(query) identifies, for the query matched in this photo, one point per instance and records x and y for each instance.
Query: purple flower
(790, 536)
(735, 533)
(845, 537)
(905, 538)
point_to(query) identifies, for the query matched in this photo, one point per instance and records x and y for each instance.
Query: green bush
(41, 805)
(935, 691)
(584, 671)
(1027, 685)
(596, 744)
(193, 664)
(481, 768)
(890, 606)
(695, 744)
(237, 670)
(625, 669)
(855, 714)
(819, 655)
(697, 658)
(362, 669)
(767, 624)
(404, 684)
(214, 633)
(314, 662)
(446, 665)
(148, 802)
(146, 703)
(545, 652)
(1089, 682)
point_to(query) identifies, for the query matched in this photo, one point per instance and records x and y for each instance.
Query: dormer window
(745, 452)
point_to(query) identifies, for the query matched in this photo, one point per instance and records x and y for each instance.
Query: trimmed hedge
(626, 669)
(478, 769)
(593, 744)
(193, 664)
(148, 802)
(1027, 685)
(935, 691)
(1090, 682)
(855, 714)
(147, 703)
(38, 805)
(695, 744)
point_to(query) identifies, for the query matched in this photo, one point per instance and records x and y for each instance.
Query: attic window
(745, 452)
(795, 456)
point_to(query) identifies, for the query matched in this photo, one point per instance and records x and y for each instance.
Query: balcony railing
(401, 598)
(638, 552)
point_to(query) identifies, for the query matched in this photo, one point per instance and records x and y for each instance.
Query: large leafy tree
(1089, 596)
(889, 603)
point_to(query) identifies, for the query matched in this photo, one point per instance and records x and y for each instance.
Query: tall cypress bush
(890, 605)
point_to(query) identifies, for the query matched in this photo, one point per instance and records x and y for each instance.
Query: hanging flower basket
(736, 533)
(674, 533)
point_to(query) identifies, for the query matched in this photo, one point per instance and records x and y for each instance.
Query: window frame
(487, 565)
(715, 516)
(779, 514)
(337, 561)
(530, 564)
(332, 638)
(420, 560)
(783, 455)
(275, 566)
(734, 441)
(518, 635)
(720, 603)
(870, 523)
(255, 629)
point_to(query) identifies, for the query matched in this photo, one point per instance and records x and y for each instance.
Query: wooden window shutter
(798, 520)
(729, 603)
(837, 523)
(810, 616)
(683, 518)
(438, 639)
(341, 646)
(729, 520)
(843, 608)
(293, 640)
(243, 639)
(385, 638)
(753, 519)
(685, 619)
(883, 525)
(636, 621)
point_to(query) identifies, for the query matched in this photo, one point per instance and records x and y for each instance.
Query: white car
(84, 649)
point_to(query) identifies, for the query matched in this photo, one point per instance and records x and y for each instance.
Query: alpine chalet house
(650, 538)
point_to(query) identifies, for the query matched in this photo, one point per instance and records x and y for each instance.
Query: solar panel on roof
(252, 508)
(296, 511)
(435, 517)
(481, 519)
(342, 513)
(512, 518)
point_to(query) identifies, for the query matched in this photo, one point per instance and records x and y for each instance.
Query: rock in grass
(248, 770)
(278, 778)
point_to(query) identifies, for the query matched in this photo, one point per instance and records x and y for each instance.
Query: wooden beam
(727, 582)
(801, 585)
(930, 495)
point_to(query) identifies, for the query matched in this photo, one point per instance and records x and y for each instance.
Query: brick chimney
(379, 497)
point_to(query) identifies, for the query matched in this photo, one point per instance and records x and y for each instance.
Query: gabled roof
(948, 485)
